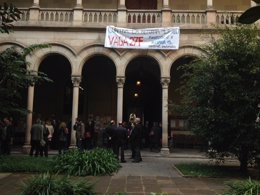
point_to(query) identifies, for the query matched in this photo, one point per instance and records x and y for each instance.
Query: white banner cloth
(149, 38)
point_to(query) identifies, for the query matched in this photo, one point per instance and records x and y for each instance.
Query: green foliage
(46, 184)
(81, 163)
(207, 170)
(15, 77)
(248, 187)
(25, 164)
(222, 92)
(8, 14)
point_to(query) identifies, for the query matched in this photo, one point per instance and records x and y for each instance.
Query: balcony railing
(227, 17)
(127, 18)
(189, 17)
(56, 15)
(97, 16)
(144, 17)
(25, 14)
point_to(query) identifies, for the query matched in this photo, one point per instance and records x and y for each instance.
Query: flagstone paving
(154, 174)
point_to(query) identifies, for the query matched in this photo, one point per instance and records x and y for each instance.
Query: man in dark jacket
(119, 141)
(6, 136)
(36, 136)
(135, 140)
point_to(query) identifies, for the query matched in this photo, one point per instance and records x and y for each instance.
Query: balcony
(91, 18)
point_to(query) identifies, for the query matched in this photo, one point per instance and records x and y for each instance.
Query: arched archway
(98, 95)
(54, 98)
(178, 125)
(143, 91)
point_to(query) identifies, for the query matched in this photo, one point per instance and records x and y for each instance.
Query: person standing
(50, 127)
(36, 136)
(6, 136)
(44, 148)
(135, 139)
(119, 141)
(110, 133)
(62, 137)
(79, 127)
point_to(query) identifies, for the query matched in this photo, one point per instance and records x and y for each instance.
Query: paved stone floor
(155, 174)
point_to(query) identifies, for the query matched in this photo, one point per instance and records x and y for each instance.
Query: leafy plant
(15, 77)
(222, 91)
(46, 184)
(8, 14)
(248, 187)
(81, 163)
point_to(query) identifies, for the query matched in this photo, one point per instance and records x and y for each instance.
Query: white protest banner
(149, 38)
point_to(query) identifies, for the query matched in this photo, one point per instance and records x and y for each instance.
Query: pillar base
(26, 148)
(72, 147)
(165, 151)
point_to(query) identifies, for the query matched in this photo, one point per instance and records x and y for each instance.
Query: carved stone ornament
(165, 82)
(76, 80)
(120, 81)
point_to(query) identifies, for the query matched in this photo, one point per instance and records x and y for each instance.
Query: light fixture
(136, 95)
(138, 83)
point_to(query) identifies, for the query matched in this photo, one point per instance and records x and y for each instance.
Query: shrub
(248, 187)
(46, 184)
(81, 163)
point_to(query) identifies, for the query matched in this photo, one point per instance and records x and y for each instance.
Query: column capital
(120, 81)
(165, 82)
(76, 80)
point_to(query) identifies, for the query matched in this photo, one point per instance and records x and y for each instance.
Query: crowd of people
(55, 134)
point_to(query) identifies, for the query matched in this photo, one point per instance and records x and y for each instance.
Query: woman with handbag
(62, 137)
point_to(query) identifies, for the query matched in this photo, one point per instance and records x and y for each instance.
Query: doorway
(143, 91)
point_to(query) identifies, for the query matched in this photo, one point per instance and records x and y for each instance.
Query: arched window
(141, 4)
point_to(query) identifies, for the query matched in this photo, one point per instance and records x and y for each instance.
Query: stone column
(34, 12)
(36, 3)
(121, 14)
(75, 104)
(166, 14)
(165, 3)
(165, 84)
(27, 145)
(211, 13)
(121, 4)
(209, 4)
(120, 88)
(78, 13)
(79, 3)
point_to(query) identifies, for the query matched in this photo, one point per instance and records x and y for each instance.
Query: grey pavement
(156, 173)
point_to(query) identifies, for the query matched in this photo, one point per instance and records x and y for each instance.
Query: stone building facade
(93, 81)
